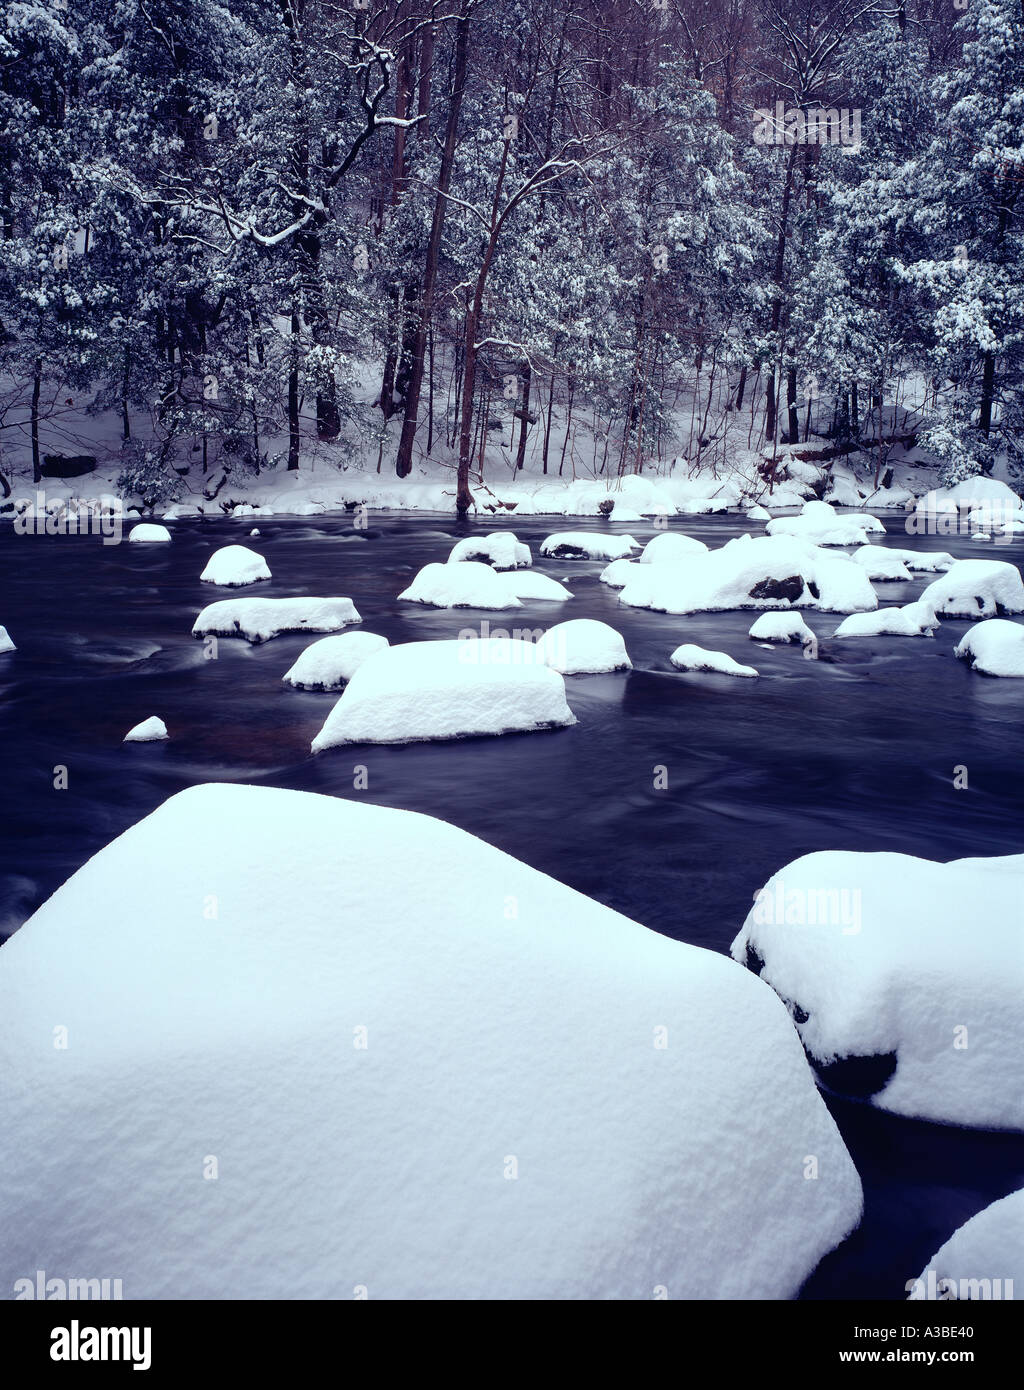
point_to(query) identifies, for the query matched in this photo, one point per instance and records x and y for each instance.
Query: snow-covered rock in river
(588, 545)
(584, 646)
(977, 589)
(925, 561)
(460, 584)
(6, 642)
(235, 565)
(618, 573)
(904, 977)
(912, 620)
(148, 533)
(259, 619)
(983, 1259)
(329, 663)
(669, 546)
(500, 549)
(782, 627)
(820, 524)
(366, 990)
(881, 565)
(527, 584)
(766, 572)
(758, 513)
(147, 732)
(448, 689)
(689, 657)
(994, 647)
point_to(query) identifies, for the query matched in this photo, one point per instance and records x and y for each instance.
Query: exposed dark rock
(789, 589)
(74, 466)
(857, 1077)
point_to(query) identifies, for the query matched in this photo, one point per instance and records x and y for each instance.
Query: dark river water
(853, 751)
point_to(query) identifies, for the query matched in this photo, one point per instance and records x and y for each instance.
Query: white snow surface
(148, 533)
(529, 584)
(588, 545)
(928, 561)
(584, 646)
(728, 578)
(619, 573)
(820, 524)
(781, 627)
(460, 584)
(912, 620)
(234, 566)
(881, 564)
(330, 662)
(500, 549)
(669, 546)
(977, 589)
(148, 731)
(690, 657)
(447, 689)
(364, 993)
(994, 647)
(891, 954)
(6, 642)
(259, 619)
(989, 1246)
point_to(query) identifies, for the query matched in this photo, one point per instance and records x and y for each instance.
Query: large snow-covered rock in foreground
(994, 647)
(977, 589)
(448, 689)
(820, 524)
(501, 549)
(460, 584)
(587, 545)
(235, 565)
(149, 533)
(905, 978)
(670, 546)
(690, 657)
(912, 620)
(983, 1259)
(584, 647)
(345, 1047)
(259, 619)
(329, 663)
(767, 572)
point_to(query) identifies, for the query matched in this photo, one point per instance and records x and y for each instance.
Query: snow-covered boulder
(179, 512)
(977, 589)
(330, 662)
(584, 646)
(147, 732)
(6, 642)
(782, 627)
(259, 619)
(527, 584)
(706, 506)
(983, 1259)
(758, 513)
(994, 647)
(690, 657)
(669, 546)
(904, 978)
(148, 533)
(460, 584)
(766, 572)
(500, 549)
(587, 545)
(499, 1088)
(923, 561)
(820, 524)
(912, 620)
(881, 565)
(235, 565)
(449, 689)
(618, 573)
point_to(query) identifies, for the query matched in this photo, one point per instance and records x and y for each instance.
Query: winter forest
(487, 236)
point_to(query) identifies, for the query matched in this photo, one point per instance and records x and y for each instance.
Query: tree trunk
(293, 397)
(37, 381)
(523, 423)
